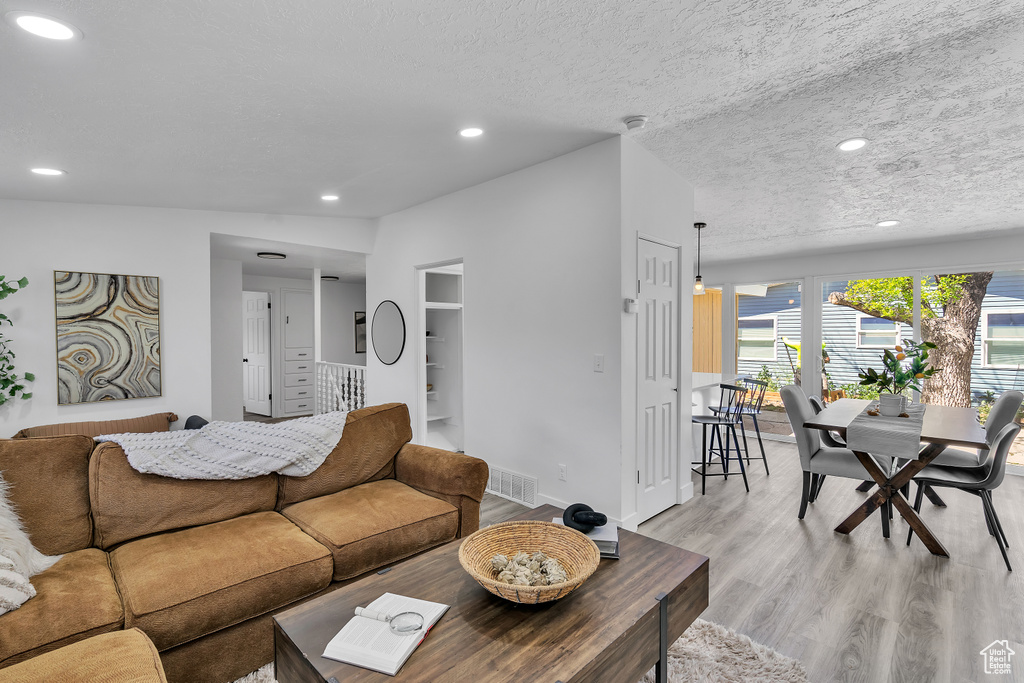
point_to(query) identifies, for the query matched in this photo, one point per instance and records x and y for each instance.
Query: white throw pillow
(15, 588)
(15, 544)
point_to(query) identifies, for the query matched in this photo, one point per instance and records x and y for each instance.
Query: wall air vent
(515, 487)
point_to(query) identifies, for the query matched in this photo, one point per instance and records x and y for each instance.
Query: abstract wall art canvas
(108, 337)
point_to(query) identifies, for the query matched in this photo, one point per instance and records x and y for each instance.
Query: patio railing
(340, 387)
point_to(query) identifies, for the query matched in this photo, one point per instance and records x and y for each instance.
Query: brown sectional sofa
(201, 566)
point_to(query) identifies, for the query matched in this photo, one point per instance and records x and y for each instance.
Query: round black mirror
(387, 332)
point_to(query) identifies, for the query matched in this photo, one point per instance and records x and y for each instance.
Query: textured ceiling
(265, 105)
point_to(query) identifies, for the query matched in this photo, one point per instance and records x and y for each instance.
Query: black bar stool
(755, 398)
(728, 414)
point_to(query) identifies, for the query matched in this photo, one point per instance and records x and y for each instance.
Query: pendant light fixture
(698, 284)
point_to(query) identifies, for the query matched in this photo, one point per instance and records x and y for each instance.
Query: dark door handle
(245, 360)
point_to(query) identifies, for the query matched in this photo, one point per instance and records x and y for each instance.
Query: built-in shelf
(437, 339)
(435, 418)
(442, 305)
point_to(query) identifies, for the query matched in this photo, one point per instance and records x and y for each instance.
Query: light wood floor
(851, 608)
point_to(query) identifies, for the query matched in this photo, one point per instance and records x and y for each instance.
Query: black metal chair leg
(885, 519)
(917, 508)
(739, 458)
(999, 538)
(764, 458)
(743, 431)
(934, 497)
(814, 487)
(703, 459)
(821, 482)
(995, 518)
(804, 495)
(724, 454)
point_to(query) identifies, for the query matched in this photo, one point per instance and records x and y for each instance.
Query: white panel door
(657, 378)
(256, 352)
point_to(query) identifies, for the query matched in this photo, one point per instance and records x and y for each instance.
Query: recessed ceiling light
(43, 26)
(471, 132)
(329, 278)
(48, 171)
(887, 224)
(329, 197)
(852, 144)
(270, 255)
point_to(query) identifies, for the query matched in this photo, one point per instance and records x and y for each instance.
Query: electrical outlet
(563, 473)
(598, 362)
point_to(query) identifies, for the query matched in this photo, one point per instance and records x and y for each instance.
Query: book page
(370, 643)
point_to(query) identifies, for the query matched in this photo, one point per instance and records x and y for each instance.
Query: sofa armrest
(453, 477)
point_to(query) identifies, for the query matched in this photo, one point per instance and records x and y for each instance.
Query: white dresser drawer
(292, 367)
(303, 380)
(298, 405)
(298, 354)
(298, 392)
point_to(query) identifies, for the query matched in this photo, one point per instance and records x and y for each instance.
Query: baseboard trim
(685, 492)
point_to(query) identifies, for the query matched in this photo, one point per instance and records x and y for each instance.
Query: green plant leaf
(23, 282)
(29, 377)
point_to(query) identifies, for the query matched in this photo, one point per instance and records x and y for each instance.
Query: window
(1003, 339)
(877, 333)
(756, 338)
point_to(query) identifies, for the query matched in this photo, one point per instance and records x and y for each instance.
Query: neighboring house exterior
(854, 340)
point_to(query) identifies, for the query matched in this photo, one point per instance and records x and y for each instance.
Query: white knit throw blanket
(235, 450)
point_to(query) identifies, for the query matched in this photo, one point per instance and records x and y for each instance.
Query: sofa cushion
(374, 524)
(41, 472)
(366, 452)
(75, 599)
(157, 422)
(185, 584)
(122, 656)
(127, 504)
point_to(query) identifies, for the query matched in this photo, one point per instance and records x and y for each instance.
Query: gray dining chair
(980, 481)
(818, 459)
(1001, 414)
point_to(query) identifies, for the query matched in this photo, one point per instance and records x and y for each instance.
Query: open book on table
(370, 643)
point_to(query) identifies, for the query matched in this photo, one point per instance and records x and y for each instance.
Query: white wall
(173, 244)
(339, 302)
(541, 256)
(548, 254)
(226, 341)
(656, 203)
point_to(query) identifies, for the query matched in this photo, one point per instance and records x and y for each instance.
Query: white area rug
(705, 653)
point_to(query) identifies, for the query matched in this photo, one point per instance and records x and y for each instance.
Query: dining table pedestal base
(889, 492)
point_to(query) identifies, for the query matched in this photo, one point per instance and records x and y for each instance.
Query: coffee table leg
(661, 669)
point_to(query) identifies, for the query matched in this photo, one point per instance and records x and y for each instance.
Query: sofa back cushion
(127, 504)
(49, 488)
(366, 452)
(157, 422)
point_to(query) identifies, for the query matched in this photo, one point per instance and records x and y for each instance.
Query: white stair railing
(339, 387)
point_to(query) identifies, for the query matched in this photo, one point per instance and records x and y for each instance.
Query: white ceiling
(260, 105)
(299, 262)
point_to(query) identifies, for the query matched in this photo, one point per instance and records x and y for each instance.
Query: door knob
(245, 360)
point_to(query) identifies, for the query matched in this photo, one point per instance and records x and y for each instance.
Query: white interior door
(658, 378)
(256, 352)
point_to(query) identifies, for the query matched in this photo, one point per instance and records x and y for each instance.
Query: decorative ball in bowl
(577, 554)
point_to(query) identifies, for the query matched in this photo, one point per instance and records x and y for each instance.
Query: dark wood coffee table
(613, 628)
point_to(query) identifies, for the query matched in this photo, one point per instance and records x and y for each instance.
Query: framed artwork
(360, 331)
(108, 336)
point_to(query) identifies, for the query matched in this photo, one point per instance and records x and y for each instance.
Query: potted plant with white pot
(905, 367)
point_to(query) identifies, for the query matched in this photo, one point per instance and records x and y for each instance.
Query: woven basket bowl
(577, 554)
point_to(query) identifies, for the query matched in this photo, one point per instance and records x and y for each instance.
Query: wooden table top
(483, 637)
(944, 425)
